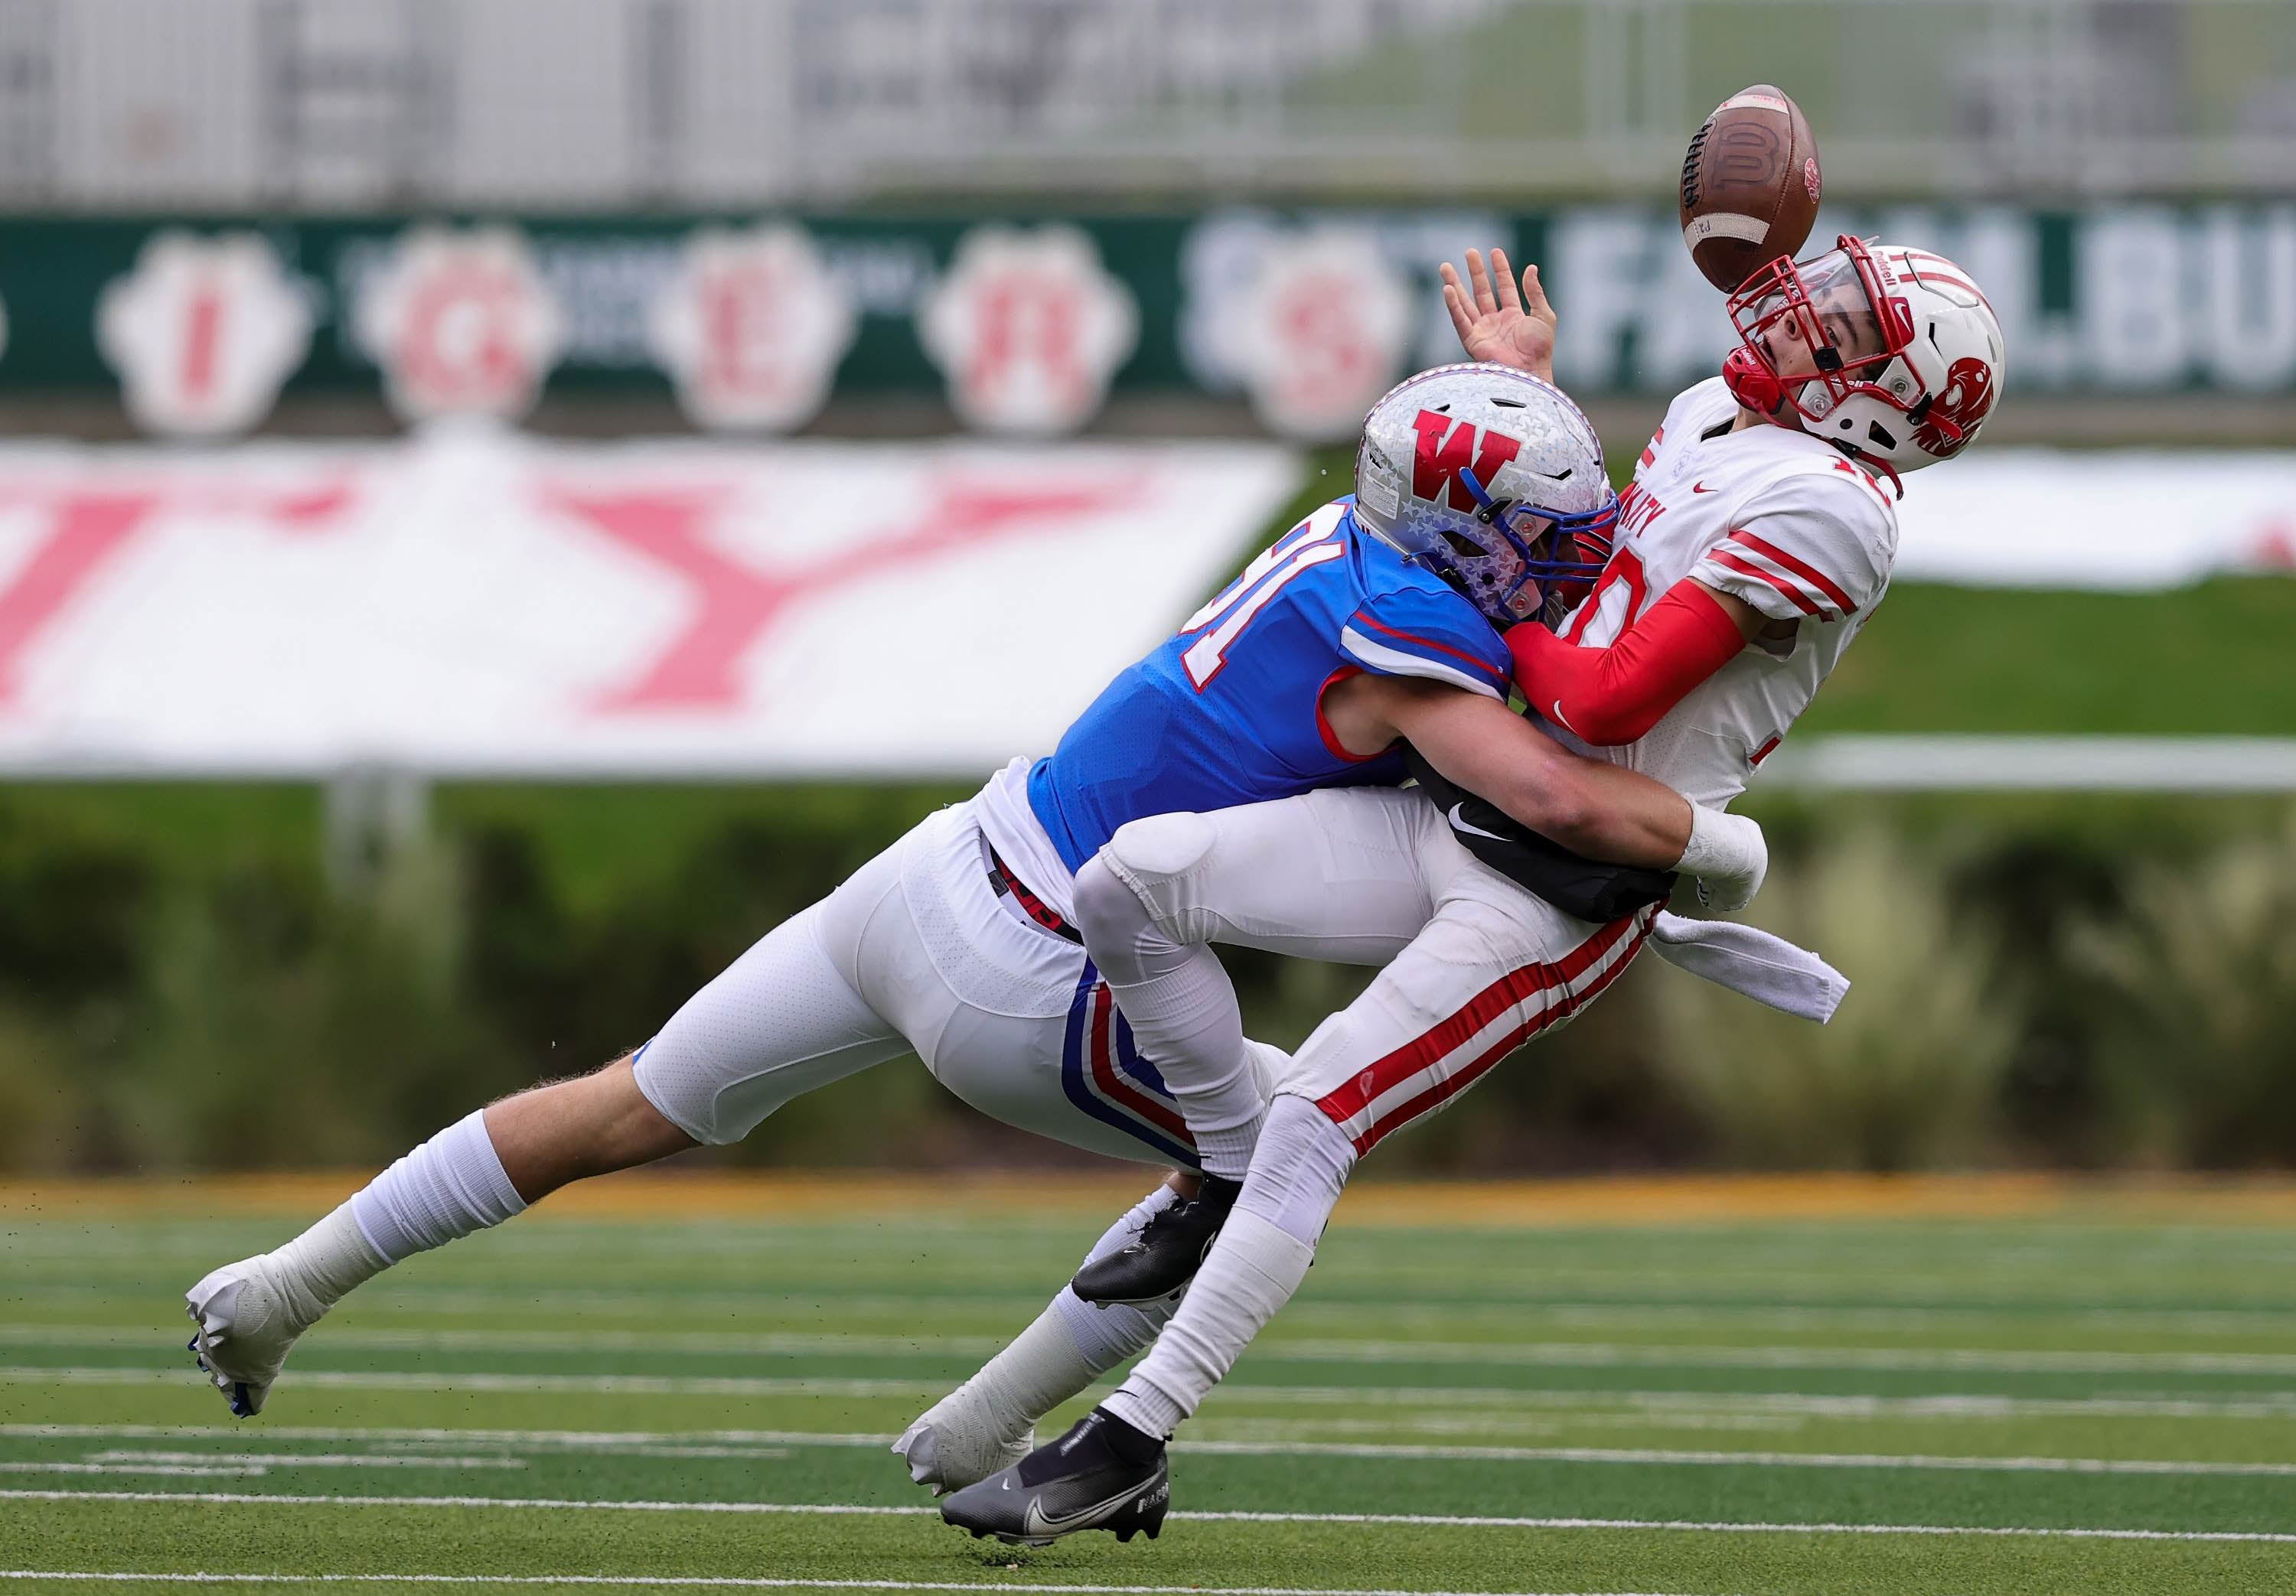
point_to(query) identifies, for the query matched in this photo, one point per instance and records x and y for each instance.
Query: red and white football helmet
(1889, 352)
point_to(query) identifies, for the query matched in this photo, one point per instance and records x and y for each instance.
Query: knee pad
(1125, 885)
(1160, 848)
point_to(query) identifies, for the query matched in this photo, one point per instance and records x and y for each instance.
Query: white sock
(1071, 1343)
(1262, 1256)
(1251, 1272)
(444, 1189)
(1104, 1337)
(324, 1262)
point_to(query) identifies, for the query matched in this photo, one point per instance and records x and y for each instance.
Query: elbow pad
(1615, 695)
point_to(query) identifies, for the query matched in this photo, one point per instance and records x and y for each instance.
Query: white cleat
(248, 1315)
(958, 1443)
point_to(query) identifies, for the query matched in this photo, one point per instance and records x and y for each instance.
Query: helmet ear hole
(1463, 547)
(1880, 435)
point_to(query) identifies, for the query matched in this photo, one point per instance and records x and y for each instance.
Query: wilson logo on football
(1446, 447)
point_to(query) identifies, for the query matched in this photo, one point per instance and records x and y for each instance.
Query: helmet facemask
(1538, 563)
(1815, 332)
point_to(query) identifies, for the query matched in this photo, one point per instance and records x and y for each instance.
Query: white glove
(1729, 854)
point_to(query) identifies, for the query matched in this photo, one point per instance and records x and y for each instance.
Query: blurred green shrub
(2060, 984)
(1907, 1074)
(2199, 975)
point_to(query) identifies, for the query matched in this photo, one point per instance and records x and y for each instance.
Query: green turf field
(2080, 1405)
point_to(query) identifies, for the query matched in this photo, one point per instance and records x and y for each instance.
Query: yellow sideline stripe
(1638, 1200)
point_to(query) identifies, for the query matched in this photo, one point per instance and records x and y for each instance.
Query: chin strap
(1876, 463)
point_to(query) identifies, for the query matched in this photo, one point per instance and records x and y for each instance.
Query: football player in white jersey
(1757, 537)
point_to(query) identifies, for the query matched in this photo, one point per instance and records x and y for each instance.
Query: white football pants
(917, 951)
(1487, 967)
(1476, 966)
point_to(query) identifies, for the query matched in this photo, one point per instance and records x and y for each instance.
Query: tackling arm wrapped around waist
(1587, 889)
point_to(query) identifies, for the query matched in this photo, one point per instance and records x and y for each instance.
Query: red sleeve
(1614, 695)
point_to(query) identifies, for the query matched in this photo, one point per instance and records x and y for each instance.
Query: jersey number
(1617, 596)
(1306, 545)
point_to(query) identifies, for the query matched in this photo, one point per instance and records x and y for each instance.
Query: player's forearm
(1605, 812)
(1592, 809)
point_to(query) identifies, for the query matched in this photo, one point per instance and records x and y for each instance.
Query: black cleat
(1166, 1254)
(1103, 1474)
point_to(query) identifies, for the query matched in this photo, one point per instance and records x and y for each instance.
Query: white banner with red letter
(2132, 520)
(473, 601)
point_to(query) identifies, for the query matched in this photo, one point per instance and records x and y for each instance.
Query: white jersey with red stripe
(1773, 517)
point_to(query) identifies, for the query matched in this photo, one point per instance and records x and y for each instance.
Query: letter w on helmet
(1491, 479)
(1442, 453)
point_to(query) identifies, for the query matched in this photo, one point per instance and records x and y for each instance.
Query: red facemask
(1796, 301)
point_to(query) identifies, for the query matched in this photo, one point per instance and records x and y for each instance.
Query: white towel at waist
(1767, 969)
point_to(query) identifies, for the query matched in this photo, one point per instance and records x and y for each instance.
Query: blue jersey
(1230, 711)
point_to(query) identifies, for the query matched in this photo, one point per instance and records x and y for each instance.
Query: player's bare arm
(1603, 810)
(1497, 323)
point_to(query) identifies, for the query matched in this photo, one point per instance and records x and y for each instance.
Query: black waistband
(1002, 878)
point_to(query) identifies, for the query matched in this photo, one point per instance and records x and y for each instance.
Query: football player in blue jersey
(957, 943)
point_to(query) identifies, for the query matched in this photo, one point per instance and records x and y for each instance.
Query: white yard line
(644, 1385)
(390, 1295)
(1667, 1457)
(454, 1436)
(1441, 1521)
(1590, 1354)
(769, 1442)
(759, 1344)
(649, 1581)
(2239, 1321)
(178, 1470)
(1632, 1354)
(2266, 1404)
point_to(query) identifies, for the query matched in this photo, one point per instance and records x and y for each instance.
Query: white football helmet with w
(1491, 479)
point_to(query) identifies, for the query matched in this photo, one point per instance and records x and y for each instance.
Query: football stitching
(1690, 164)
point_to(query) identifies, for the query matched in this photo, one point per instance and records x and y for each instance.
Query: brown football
(1750, 185)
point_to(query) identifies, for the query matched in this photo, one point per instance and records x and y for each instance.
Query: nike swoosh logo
(1554, 714)
(1036, 1521)
(1702, 488)
(1460, 823)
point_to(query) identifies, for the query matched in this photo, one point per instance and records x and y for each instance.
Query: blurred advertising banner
(468, 600)
(2132, 520)
(1025, 328)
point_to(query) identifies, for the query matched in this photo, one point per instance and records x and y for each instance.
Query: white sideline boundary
(705, 1581)
(2262, 1404)
(1536, 1355)
(753, 1444)
(1436, 1520)
(1903, 762)
(1838, 761)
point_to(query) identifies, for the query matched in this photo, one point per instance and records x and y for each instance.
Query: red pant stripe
(1350, 1098)
(1110, 1080)
(1442, 1091)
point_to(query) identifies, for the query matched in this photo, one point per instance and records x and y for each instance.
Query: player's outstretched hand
(1498, 324)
